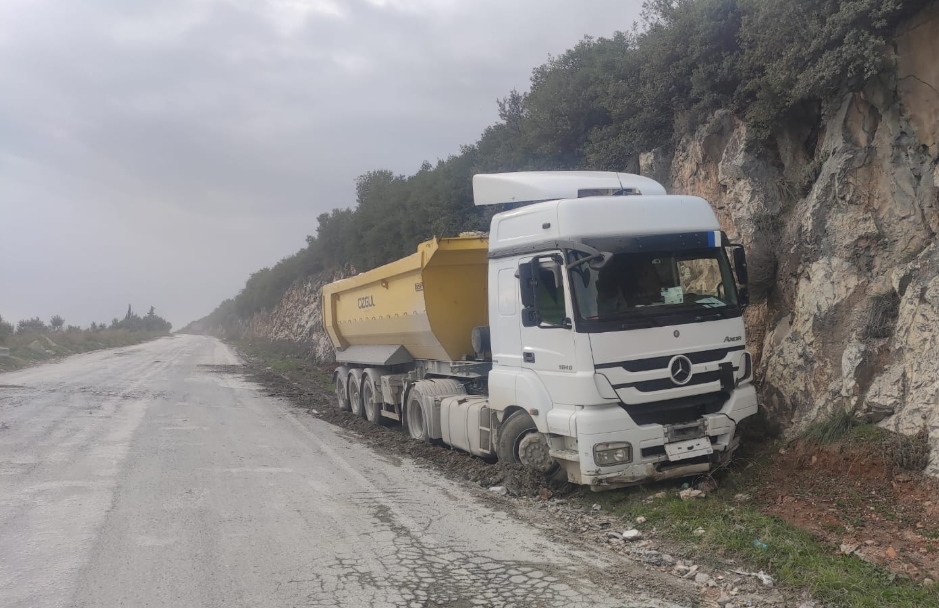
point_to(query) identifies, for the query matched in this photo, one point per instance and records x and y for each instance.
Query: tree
(56, 322)
(34, 324)
(6, 330)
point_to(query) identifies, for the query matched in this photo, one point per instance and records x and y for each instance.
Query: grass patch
(28, 348)
(286, 358)
(831, 429)
(907, 452)
(794, 557)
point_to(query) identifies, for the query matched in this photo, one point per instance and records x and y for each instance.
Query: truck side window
(550, 299)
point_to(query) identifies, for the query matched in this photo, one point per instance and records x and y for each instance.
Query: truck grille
(675, 411)
(653, 363)
(663, 384)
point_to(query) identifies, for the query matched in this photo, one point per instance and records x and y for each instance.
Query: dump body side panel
(427, 302)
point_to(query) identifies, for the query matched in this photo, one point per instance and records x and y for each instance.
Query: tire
(372, 410)
(355, 395)
(414, 411)
(518, 437)
(414, 417)
(342, 395)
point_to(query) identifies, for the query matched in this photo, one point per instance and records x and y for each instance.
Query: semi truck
(596, 328)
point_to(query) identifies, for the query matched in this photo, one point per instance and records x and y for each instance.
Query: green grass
(792, 555)
(65, 343)
(908, 452)
(287, 358)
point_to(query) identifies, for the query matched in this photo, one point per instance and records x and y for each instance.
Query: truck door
(547, 337)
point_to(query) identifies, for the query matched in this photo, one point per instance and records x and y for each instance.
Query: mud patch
(313, 395)
(221, 369)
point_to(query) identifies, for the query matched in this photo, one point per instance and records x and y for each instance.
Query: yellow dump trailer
(427, 303)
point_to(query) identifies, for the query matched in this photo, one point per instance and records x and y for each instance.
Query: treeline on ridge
(600, 104)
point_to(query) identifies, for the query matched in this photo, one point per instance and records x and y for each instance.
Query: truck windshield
(642, 289)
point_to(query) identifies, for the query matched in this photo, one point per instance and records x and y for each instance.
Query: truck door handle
(528, 357)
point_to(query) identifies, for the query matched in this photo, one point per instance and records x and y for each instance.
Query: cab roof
(536, 186)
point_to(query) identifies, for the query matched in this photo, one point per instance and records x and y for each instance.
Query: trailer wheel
(372, 409)
(342, 396)
(355, 394)
(519, 441)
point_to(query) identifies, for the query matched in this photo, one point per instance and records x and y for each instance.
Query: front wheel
(519, 441)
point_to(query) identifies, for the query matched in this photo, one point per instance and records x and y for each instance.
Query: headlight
(606, 454)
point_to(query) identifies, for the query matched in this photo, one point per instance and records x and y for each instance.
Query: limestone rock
(840, 225)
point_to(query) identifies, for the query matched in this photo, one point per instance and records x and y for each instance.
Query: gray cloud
(159, 151)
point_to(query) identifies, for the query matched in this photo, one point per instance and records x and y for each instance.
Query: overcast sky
(157, 152)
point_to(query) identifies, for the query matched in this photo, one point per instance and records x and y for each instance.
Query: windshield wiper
(712, 314)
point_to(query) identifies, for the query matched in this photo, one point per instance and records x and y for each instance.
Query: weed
(908, 452)
(831, 429)
(882, 316)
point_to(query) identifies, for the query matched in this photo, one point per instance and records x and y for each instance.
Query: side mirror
(528, 284)
(743, 297)
(740, 265)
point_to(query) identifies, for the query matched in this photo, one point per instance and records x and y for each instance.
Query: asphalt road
(148, 477)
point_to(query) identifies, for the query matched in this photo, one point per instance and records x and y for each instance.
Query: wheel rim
(341, 394)
(371, 408)
(355, 398)
(533, 452)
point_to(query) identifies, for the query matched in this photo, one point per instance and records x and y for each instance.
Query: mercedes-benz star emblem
(680, 369)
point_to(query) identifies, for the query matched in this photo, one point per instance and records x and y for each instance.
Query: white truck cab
(615, 323)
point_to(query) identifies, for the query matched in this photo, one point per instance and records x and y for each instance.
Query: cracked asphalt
(157, 476)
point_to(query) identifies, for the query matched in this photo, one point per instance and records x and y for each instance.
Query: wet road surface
(155, 476)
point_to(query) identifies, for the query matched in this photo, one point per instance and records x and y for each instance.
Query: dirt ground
(394, 440)
(849, 497)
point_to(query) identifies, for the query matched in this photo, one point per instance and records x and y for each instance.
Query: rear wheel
(342, 396)
(355, 394)
(372, 409)
(415, 417)
(519, 441)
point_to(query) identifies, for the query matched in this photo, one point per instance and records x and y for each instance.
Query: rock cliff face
(839, 216)
(297, 318)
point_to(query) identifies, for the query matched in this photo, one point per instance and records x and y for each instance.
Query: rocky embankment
(839, 216)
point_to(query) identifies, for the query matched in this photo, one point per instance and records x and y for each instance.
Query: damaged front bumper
(659, 452)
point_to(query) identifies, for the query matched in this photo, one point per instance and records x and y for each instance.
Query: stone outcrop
(839, 217)
(298, 317)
